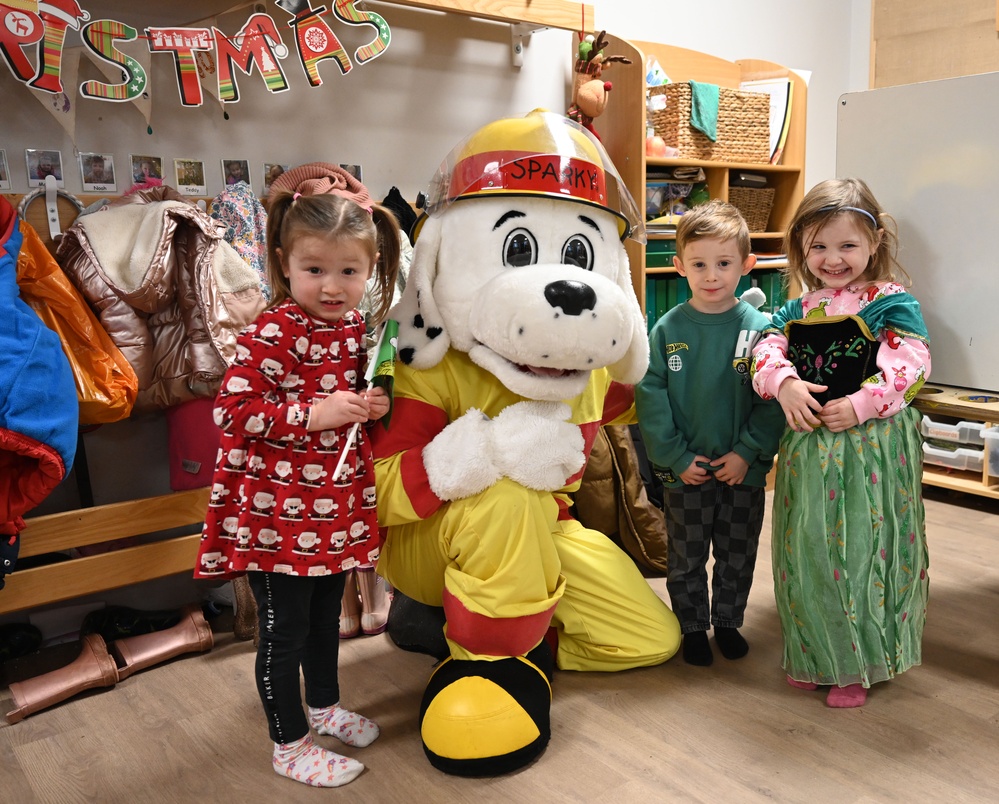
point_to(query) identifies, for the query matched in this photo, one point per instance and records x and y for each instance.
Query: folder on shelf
(650, 301)
(780, 91)
(662, 296)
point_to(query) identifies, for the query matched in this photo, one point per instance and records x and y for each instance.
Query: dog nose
(572, 296)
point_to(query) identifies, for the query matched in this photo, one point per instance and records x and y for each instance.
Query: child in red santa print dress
(277, 511)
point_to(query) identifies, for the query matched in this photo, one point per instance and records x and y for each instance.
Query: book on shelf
(780, 91)
(745, 178)
(764, 258)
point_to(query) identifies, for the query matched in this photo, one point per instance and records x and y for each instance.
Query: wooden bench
(54, 533)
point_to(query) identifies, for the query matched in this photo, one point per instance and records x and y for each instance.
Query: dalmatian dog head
(521, 264)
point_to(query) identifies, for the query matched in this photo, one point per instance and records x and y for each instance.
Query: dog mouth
(545, 371)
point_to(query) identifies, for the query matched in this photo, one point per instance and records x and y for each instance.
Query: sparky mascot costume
(520, 335)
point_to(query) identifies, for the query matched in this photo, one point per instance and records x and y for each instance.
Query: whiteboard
(930, 153)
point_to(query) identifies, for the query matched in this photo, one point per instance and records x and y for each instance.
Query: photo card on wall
(4, 171)
(271, 171)
(97, 171)
(146, 169)
(235, 171)
(42, 163)
(353, 170)
(190, 176)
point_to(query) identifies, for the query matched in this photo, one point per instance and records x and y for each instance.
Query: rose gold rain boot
(350, 607)
(93, 668)
(191, 634)
(375, 600)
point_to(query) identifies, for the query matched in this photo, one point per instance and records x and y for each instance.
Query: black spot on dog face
(433, 332)
(418, 321)
(406, 355)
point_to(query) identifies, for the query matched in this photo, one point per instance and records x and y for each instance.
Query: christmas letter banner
(38, 28)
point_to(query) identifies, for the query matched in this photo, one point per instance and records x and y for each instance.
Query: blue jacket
(39, 412)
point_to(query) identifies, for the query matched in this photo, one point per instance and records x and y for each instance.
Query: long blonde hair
(829, 199)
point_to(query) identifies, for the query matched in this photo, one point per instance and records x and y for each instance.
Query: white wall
(443, 76)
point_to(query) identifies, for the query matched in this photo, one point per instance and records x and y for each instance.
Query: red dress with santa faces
(275, 505)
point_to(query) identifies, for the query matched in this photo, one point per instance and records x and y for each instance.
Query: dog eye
(520, 249)
(578, 251)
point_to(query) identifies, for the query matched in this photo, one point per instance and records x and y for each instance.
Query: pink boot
(375, 600)
(847, 697)
(802, 685)
(350, 608)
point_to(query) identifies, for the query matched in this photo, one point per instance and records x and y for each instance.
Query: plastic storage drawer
(972, 460)
(992, 445)
(961, 432)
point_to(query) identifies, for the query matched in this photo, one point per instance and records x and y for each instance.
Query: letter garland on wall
(41, 25)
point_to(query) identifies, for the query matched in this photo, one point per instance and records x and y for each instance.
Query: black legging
(299, 627)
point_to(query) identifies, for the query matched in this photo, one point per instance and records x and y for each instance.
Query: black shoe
(18, 639)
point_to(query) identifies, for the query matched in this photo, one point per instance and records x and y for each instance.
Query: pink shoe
(375, 600)
(350, 608)
(802, 685)
(847, 697)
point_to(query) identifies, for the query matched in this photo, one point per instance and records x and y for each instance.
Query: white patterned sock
(348, 727)
(306, 762)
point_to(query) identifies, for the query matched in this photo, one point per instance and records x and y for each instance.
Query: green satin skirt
(849, 551)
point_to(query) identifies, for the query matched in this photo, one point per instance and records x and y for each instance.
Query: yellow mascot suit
(520, 335)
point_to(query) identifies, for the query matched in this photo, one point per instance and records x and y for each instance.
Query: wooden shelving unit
(623, 130)
(966, 405)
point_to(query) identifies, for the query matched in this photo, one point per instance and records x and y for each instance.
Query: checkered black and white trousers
(713, 518)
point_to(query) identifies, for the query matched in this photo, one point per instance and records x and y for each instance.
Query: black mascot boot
(482, 718)
(417, 627)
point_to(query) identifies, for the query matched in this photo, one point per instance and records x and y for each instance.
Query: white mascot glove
(534, 445)
(528, 442)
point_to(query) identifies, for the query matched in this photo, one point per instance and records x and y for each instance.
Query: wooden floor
(192, 730)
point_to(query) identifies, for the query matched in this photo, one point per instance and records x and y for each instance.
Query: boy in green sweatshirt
(710, 439)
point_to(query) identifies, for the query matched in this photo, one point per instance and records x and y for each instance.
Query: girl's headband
(835, 208)
(320, 178)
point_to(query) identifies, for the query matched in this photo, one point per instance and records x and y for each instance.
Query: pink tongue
(545, 372)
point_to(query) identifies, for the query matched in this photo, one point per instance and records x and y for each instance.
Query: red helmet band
(526, 172)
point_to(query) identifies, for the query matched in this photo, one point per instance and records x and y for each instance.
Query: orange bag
(106, 385)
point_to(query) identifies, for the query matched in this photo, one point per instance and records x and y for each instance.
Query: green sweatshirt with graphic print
(697, 398)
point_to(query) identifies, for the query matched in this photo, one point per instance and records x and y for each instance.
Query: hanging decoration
(199, 53)
(62, 105)
(128, 76)
(315, 39)
(257, 42)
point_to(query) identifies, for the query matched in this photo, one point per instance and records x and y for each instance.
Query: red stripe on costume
(620, 398)
(491, 636)
(414, 425)
(417, 485)
(589, 431)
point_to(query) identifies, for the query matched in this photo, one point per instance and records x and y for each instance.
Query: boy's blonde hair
(830, 199)
(716, 219)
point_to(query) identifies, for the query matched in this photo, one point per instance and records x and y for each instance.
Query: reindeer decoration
(589, 93)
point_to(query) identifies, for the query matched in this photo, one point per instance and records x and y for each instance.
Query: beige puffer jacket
(172, 294)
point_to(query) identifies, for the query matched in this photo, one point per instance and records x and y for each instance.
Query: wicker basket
(743, 125)
(754, 203)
